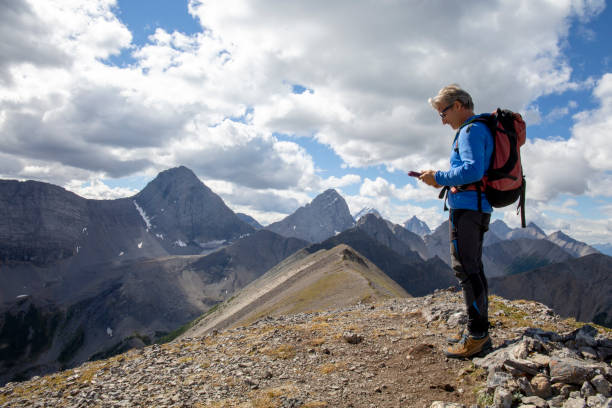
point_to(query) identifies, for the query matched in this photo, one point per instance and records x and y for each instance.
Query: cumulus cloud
(399, 204)
(213, 100)
(380, 187)
(557, 113)
(580, 164)
(265, 205)
(339, 182)
(96, 189)
(371, 85)
(237, 152)
(25, 39)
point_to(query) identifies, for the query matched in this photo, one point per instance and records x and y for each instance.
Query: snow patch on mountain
(144, 216)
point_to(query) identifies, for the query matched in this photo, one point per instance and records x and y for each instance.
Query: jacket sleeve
(470, 164)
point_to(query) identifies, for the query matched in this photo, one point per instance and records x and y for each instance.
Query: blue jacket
(469, 160)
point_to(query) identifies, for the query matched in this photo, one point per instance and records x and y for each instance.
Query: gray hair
(450, 94)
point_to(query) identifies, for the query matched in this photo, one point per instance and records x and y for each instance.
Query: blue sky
(272, 103)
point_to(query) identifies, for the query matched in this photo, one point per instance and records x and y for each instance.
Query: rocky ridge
(385, 354)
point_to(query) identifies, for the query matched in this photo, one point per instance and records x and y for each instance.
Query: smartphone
(414, 174)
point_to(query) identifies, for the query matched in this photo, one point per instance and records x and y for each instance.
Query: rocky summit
(327, 215)
(382, 354)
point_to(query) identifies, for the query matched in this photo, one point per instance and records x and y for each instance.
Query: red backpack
(504, 182)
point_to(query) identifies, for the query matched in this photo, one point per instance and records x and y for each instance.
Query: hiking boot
(469, 346)
(455, 338)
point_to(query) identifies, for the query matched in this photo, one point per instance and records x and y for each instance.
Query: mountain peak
(177, 175)
(533, 226)
(373, 219)
(561, 235)
(366, 210)
(417, 226)
(330, 191)
(570, 245)
(327, 197)
(187, 213)
(324, 217)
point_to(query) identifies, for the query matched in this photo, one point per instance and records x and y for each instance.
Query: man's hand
(429, 177)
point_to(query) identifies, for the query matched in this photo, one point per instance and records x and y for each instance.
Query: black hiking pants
(467, 229)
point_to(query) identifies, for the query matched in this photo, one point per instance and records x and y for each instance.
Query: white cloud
(370, 86)
(339, 182)
(96, 189)
(560, 112)
(396, 212)
(26, 40)
(238, 153)
(580, 164)
(399, 204)
(67, 115)
(265, 205)
(581, 227)
(380, 187)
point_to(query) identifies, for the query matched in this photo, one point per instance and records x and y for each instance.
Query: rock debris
(387, 354)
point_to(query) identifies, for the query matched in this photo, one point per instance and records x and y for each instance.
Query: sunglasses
(443, 113)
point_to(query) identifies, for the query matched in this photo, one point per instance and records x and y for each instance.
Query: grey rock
(596, 401)
(585, 336)
(575, 403)
(440, 404)
(543, 334)
(588, 352)
(535, 401)
(494, 360)
(603, 386)
(522, 366)
(521, 350)
(604, 353)
(457, 319)
(556, 401)
(502, 398)
(587, 390)
(525, 386)
(352, 338)
(498, 379)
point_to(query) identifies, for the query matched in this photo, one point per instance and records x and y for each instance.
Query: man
(470, 212)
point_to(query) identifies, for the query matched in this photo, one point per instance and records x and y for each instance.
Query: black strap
(479, 189)
(443, 195)
(521, 205)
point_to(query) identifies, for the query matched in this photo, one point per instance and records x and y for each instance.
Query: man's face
(450, 115)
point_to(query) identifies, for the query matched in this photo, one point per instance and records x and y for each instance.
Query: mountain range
(85, 279)
(120, 272)
(579, 288)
